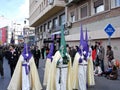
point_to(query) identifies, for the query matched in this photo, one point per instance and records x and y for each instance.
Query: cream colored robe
(90, 77)
(47, 70)
(51, 85)
(90, 72)
(82, 69)
(75, 71)
(16, 80)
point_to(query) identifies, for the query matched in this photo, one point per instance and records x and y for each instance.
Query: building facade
(93, 15)
(30, 33)
(3, 35)
(46, 16)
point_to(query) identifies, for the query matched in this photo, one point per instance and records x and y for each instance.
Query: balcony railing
(70, 2)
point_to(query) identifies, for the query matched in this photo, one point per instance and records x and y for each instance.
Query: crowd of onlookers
(99, 54)
(98, 57)
(12, 53)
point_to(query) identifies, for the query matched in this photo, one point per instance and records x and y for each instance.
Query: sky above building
(14, 10)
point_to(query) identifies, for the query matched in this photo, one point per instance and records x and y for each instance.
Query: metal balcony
(71, 2)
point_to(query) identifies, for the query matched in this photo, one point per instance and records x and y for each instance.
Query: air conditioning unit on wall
(68, 25)
(49, 30)
(36, 1)
(50, 2)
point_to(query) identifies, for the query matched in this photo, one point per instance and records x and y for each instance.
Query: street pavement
(102, 83)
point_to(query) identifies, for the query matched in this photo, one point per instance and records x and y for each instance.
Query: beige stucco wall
(96, 33)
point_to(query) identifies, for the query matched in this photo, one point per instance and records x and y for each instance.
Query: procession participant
(59, 78)
(1, 62)
(90, 67)
(12, 57)
(48, 62)
(80, 65)
(25, 76)
(36, 55)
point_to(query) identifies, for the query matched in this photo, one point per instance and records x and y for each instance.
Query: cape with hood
(16, 81)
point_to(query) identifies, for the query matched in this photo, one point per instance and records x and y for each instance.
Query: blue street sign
(109, 30)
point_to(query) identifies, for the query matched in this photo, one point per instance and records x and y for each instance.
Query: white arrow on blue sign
(109, 30)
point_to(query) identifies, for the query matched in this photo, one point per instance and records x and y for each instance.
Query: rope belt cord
(83, 64)
(66, 66)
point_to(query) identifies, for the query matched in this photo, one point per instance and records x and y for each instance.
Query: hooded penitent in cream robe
(80, 64)
(51, 85)
(79, 73)
(84, 72)
(48, 63)
(60, 70)
(24, 79)
(16, 80)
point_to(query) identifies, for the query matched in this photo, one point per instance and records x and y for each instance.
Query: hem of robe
(75, 71)
(47, 70)
(90, 71)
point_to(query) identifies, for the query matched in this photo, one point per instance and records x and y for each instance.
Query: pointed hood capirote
(51, 52)
(26, 53)
(63, 49)
(81, 36)
(83, 44)
(86, 47)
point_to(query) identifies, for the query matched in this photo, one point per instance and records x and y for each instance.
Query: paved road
(4, 82)
(101, 82)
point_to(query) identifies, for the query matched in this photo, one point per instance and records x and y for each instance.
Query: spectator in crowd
(32, 49)
(42, 52)
(114, 74)
(109, 55)
(47, 50)
(68, 48)
(36, 55)
(93, 54)
(12, 58)
(108, 71)
(77, 48)
(1, 62)
(72, 53)
(98, 70)
(100, 55)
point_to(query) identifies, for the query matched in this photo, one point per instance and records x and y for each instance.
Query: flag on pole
(12, 41)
